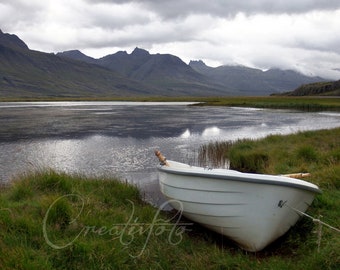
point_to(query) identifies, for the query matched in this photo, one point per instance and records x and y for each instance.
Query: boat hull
(252, 213)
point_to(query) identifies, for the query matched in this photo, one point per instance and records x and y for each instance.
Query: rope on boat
(316, 220)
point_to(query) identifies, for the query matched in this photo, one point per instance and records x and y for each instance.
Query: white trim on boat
(232, 175)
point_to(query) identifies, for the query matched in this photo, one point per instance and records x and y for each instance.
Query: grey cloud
(179, 8)
(262, 33)
(21, 18)
(23, 12)
(114, 20)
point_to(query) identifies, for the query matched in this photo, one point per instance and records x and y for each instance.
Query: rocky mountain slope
(27, 73)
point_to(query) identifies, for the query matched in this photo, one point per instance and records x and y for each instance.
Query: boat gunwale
(240, 178)
(205, 190)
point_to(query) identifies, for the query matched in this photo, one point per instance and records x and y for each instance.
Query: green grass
(279, 102)
(51, 220)
(317, 152)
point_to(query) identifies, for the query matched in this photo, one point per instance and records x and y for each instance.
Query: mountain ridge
(12, 41)
(243, 78)
(236, 79)
(28, 73)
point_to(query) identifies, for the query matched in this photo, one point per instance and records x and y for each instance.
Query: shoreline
(305, 103)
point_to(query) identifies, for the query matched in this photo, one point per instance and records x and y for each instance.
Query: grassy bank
(51, 220)
(273, 102)
(279, 102)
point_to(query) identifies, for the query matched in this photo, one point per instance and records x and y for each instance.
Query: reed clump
(214, 154)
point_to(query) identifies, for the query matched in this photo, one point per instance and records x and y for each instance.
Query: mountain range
(27, 73)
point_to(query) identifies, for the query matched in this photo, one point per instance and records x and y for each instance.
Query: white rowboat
(251, 209)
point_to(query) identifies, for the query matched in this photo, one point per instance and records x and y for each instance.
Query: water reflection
(186, 134)
(211, 132)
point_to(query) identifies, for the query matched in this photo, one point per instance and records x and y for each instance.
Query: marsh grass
(317, 152)
(305, 103)
(51, 220)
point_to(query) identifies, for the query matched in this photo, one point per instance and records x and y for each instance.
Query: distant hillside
(251, 81)
(28, 73)
(163, 71)
(171, 73)
(317, 89)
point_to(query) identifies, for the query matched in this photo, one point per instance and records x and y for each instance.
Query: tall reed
(213, 154)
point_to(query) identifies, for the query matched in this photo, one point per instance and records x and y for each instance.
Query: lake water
(119, 138)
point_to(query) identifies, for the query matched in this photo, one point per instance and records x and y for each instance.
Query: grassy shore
(51, 220)
(279, 102)
(273, 102)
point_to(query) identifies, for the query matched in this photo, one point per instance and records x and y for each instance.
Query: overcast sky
(290, 34)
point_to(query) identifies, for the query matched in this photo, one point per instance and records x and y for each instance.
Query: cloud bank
(301, 35)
